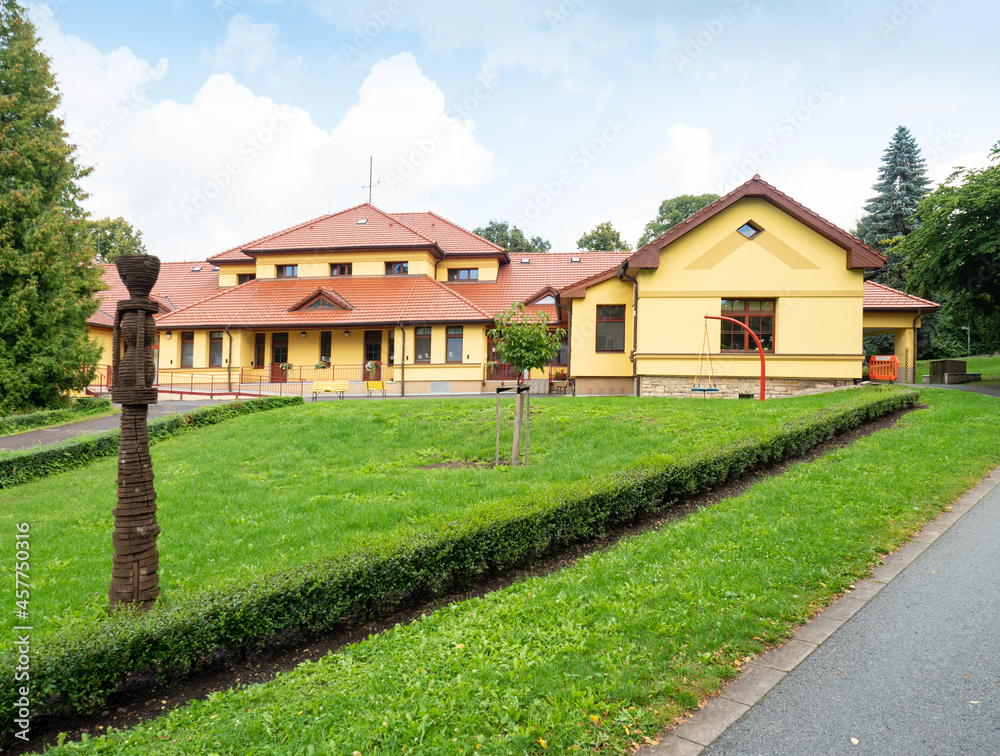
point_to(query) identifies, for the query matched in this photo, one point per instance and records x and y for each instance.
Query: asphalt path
(44, 436)
(915, 671)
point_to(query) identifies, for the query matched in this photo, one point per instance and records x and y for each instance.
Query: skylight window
(750, 229)
(196, 268)
(362, 221)
(574, 259)
(525, 260)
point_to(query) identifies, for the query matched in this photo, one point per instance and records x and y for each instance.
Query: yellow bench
(329, 387)
(375, 386)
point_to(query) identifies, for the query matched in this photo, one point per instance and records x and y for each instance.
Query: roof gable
(858, 254)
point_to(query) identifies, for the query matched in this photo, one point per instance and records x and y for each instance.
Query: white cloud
(201, 176)
(252, 47)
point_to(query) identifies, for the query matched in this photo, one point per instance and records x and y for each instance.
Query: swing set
(706, 350)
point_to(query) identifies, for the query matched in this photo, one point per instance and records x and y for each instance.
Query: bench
(329, 387)
(558, 387)
(375, 386)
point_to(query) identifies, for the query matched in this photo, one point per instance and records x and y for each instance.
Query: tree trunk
(515, 449)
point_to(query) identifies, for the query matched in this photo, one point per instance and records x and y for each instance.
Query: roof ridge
(259, 239)
(456, 225)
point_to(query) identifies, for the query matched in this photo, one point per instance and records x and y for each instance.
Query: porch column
(905, 350)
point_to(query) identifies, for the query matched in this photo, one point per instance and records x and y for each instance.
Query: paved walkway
(44, 436)
(907, 663)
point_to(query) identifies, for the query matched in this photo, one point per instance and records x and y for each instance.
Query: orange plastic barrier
(882, 368)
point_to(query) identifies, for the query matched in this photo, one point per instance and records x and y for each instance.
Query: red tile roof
(177, 286)
(375, 300)
(380, 229)
(520, 282)
(881, 297)
(859, 254)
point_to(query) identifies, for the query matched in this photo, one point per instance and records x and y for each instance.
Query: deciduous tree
(512, 238)
(673, 211)
(47, 275)
(603, 237)
(112, 237)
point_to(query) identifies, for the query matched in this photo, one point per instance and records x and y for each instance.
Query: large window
(463, 274)
(422, 349)
(287, 271)
(187, 349)
(562, 359)
(756, 314)
(325, 345)
(454, 344)
(215, 349)
(610, 328)
(340, 269)
(279, 347)
(397, 268)
(242, 278)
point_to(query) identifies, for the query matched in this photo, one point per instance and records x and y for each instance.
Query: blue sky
(211, 123)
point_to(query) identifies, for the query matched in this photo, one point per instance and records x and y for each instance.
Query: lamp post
(968, 341)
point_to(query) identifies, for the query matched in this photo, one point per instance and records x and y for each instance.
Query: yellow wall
(488, 267)
(229, 274)
(103, 338)
(317, 265)
(585, 360)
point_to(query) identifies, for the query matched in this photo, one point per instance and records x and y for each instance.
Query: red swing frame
(760, 348)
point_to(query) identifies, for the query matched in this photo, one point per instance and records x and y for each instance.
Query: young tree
(47, 275)
(954, 252)
(889, 215)
(526, 343)
(112, 237)
(512, 238)
(603, 237)
(671, 212)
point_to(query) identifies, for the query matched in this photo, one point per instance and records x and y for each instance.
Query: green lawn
(606, 653)
(988, 366)
(278, 490)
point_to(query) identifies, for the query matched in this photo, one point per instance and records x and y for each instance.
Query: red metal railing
(299, 373)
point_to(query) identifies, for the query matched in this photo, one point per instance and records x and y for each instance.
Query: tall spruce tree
(902, 183)
(47, 275)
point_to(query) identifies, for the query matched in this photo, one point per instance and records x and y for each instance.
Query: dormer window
(286, 271)
(322, 304)
(397, 268)
(750, 229)
(242, 278)
(340, 269)
(463, 274)
(548, 299)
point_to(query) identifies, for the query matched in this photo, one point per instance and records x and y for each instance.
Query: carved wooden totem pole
(134, 578)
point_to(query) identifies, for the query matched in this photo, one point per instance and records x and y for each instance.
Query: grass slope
(285, 488)
(606, 653)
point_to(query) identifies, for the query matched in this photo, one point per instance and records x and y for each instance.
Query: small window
(340, 269)
(610, 328)
(548, 299)
(454, 344)
(397, 268)
(242, 278)
(215, 349)
(422, 337)
(287, 271)
(463, 274)
(259, 341)
(574, 259)
(750, 229)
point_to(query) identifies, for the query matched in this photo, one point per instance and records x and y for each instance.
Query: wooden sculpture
(134, 578)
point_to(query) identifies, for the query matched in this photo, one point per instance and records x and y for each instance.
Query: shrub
(85, 405)
(31, 464)
(80, 669)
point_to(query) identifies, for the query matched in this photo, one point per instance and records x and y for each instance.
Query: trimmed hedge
(81, 407)
(31, 464)
(81, 668)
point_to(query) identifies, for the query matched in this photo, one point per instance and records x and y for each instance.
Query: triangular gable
(858, 254)
(538, 297)
(322, 294)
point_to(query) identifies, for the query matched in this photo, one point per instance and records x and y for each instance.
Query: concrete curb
(758, 677)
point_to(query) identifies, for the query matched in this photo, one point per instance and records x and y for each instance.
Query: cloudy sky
(211, 122)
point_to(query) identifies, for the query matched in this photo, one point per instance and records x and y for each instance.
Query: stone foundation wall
(731, 388)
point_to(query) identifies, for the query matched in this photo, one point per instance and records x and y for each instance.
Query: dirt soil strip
(142, 699)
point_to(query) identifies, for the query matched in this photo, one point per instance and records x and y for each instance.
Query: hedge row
(81, 407)
(39, 462)
(77, 671)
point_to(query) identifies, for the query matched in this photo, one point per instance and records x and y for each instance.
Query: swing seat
(703, 388)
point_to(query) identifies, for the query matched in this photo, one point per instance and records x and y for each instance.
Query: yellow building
(754, 259)
(409, 298)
